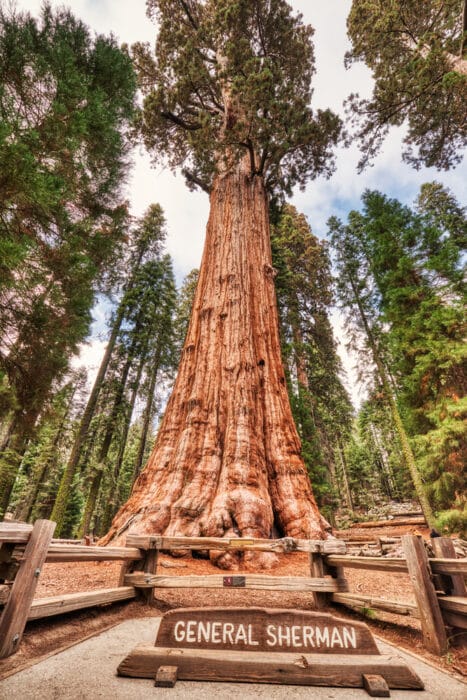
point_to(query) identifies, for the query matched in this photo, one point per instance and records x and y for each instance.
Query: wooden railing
(438, 583)
(24, 549)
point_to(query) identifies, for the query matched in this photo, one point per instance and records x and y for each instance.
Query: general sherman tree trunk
(227, 457)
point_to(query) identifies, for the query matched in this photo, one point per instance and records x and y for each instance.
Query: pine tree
(147, 341)
(358, 294)
(66, 101)
(418, 268)
(321, 407)
(413, 259)
(147, 237)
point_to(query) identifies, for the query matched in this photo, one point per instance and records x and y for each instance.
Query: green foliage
(230, 79)
(416, 52)
(320, 404)
(145, 241)
(402, 270)
(185, 299)
(453, 521)
(374, 458)
(66, 101)
(144, 344)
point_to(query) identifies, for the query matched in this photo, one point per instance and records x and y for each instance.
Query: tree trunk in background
(147, 415)
(12, 455)
(112, 497)
(345, 478)
(42, 468)
(227, 457)
(61, 501)
(407, 451)
(117, 405)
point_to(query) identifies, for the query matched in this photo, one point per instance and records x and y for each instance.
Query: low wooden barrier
(323, 580)
(24, 549)
(438, 583)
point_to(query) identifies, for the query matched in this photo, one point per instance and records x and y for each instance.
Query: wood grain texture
(454, 603)
(392, 523)
(317, 571)
(67, 602)
(253, 581)
(150, 567)
(453, 584)
(261, 629)
(448, 566)
(16, 610)
(263, 667)
(370, 563)
(358, 601)
(227, 458)
(455, 619)
(283, 545)
(14, 532)
(454, 610)
(60, 553)
(376, 686)
(166, 677)
(433, 631)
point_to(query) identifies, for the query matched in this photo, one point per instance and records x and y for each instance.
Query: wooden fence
(439, 583)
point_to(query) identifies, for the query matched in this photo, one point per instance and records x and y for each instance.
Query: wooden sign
(256, 645)
(255, 629)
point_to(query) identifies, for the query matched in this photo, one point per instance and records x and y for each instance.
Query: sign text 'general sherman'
(263, 630)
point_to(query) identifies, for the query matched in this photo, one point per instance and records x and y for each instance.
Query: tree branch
(194, 180)
(190, 17)
(249, 146)
(180, 122)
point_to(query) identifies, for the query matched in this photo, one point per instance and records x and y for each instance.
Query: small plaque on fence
(233, 582)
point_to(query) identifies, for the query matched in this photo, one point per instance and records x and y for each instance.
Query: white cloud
(90, 356)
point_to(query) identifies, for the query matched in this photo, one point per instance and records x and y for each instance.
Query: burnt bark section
(227, 457)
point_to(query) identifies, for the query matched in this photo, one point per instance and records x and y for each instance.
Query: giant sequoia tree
(227, 99)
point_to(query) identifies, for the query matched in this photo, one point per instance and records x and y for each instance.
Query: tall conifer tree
(66, 101)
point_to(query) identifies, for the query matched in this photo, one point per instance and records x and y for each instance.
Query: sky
(186, 212)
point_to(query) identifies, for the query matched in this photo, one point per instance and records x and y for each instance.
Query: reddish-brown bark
(227, 457)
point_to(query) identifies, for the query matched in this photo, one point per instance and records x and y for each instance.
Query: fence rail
(438, 583)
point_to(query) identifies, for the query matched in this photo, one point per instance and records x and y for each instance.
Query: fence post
(150, 567)
(16, 610)
(443, 547)
(317, 571)
(433, 630)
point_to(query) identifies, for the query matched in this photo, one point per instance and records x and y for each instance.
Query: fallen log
(390, 523)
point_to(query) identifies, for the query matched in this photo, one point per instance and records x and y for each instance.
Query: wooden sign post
(267, 646)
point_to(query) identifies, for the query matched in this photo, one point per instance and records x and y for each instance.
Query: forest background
(186, 213)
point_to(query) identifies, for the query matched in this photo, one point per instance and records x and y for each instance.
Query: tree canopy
(400, 270)
(417, 54)
(66, 101)
(230, 78)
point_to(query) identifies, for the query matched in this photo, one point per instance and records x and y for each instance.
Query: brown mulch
(45, 637)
